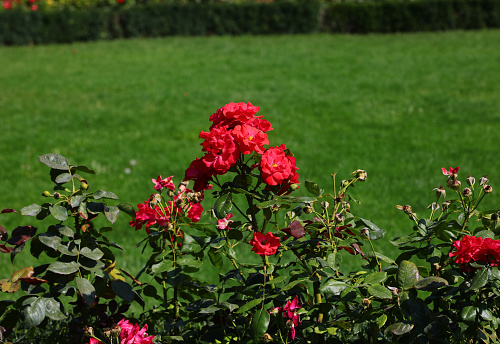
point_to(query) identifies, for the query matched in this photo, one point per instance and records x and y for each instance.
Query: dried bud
(471, 180)
(483, 180)
(467, 192)
(405, 208)
(434, 206)
(366, 302)
(346, 205)
(440, 191)
(89, 330)
(487, 188)
(445, 205)
(267, 338)
(360, 175)
(413, 216)
(454, 184)
(365, 232)
(325, 205)
(308, 209)
(46, 194)
(170, 193)
(57, 195)
(275, 208)
(339, 218)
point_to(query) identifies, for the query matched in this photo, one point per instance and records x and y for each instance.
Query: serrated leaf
(123, 290)
(50, 240)
(333, 287)
(63, 268)
(86, 289)
(111, 213)
(249, 305)
(53, 309)
(260, 323)
(104, 194)
(334, 260)
(431, 282)
(277, 280)
(223, 205)
(63, 178)
(127, 209)
(33, 311)
(31, 210)
(59, 212)
(76, 200)
(480, 279)
(94, 254)
(379, 291)
(468, 313)
(163, 265)
(407, 274)
(191, 262)
(189, 244)
(66, 231)
(399, 328)
(55, 161)
(375, 277)
(70, 250)
(313, 188)
(216, 258)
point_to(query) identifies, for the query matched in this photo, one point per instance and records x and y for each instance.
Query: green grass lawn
(399, 106)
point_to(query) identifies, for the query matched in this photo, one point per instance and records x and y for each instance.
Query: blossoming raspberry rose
(265, 244)
(476, 249)
(277, 167)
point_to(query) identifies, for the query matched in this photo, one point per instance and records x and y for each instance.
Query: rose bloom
(130, 334)
(265, 244)
(277, 168)
(233, 114)
(249, 139)
(476, 249)
(200, 174)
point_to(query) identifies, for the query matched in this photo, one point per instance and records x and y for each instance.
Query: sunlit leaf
(55, 161)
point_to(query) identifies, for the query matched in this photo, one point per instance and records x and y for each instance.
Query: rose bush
(277, 257)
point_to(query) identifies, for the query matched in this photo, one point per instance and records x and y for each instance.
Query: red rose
(476, 249)
(278, 168)
(265, 244)
(249, 139)
(200, 174)
(233, 114)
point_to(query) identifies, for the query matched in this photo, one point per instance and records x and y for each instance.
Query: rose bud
(487, 188)
(471, 180)
(360, 175)
(483, 180)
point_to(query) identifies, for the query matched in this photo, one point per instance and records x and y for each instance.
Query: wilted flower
(405, 208)
(440, 191)
(454, 184)
(434, 206)
(471, 180)
(483, 180)
(487, 188)
(467, 192)
(360, 175)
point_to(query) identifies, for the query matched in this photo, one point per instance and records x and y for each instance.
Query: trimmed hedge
(19, 27)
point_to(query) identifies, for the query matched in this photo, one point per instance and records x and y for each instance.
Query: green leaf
(31, 210)
(293, 284)
(127, 209)
(59, 212)
(55, 161)
(162, 266)
(111, 213)
(381, 320)
(70, 250)
(66, 231)
(94, 254)
(334, 259)
(249, 305)
(83, 169)
(63, 178)
(223, 205)
(468, 313)
(50, 240)
(375, 278)
(76, 200)
(379, 291)
(375, 232)
(216, 258)
(277, 280)
(260, 323)
(63, 268)
(191, 262)
(380, 256)
(189, 244)
(86, 289)
(480, 279)
(33, 311)
(104, 194)
(399, 328)
(407, 274)
(53, 309)
(333, 287)
(313, 188)
(431, 282)
(123, 290)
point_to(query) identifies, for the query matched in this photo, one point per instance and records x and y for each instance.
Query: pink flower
(7, 4)
(264, 244)
(163, 183)
(225, 222)
(130, 334)
(451, 172)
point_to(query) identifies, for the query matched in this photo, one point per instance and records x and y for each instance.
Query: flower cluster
(130, 334)
(289, 312)
(476, 249)
(9, 4)
(237, 131)
(153, 211)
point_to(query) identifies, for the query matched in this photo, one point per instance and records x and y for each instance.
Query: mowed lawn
(399, 106)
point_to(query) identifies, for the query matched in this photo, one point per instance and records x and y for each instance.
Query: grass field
(399, 106)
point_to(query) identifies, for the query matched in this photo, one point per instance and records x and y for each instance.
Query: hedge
(19, 27)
